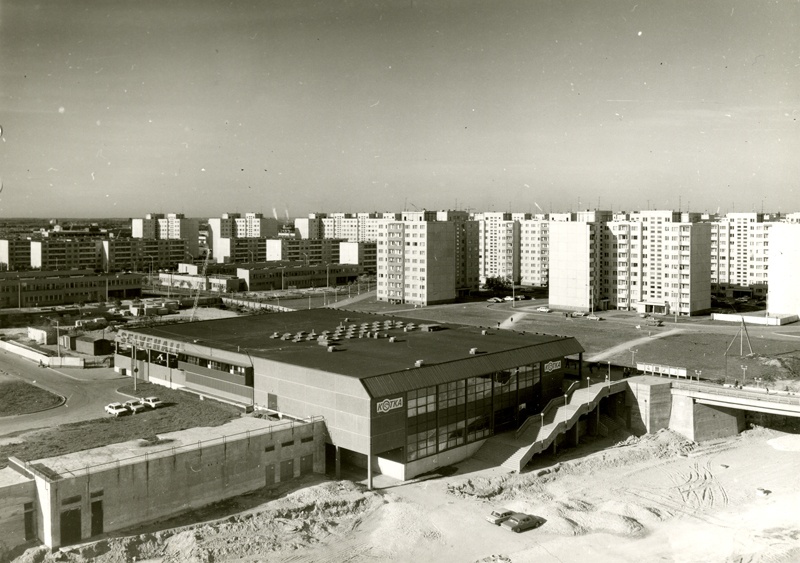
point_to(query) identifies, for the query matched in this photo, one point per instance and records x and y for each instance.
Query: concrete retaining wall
(38, 357)
(650, 405)
(699, 422)
(751, 320)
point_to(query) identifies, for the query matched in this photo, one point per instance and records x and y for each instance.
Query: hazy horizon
(118, 109)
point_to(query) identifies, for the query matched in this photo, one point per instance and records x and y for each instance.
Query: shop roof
(445, 353)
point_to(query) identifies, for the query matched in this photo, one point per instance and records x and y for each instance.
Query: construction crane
(197, 295)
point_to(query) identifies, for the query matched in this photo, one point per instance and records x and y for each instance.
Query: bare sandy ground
(655, 498)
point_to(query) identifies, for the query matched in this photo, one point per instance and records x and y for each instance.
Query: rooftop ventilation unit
(391, 339)
(473, 351)
(419, 363)
(483, 332)
(331, 348)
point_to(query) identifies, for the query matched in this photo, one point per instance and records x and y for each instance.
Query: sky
(113, 108)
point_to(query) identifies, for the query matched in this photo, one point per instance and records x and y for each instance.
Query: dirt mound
(299, 519)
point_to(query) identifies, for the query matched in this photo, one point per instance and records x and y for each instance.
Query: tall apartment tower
(416, 262)
(740, 255)
(784, 259)
(574, 265)
(577, 270)
(498, 246)
(466, 250)
(168, 226)
(534, 258)
(222, 231)
(658, 263)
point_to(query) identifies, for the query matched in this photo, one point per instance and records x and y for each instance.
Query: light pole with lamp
(633, 357)
(697, 372)
(744, 373)
(609, 372)
(565, 411)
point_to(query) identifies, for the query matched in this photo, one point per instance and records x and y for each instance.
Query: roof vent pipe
(419, 363)
(473, 351)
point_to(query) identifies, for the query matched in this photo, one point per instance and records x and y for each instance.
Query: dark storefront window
(453, 414)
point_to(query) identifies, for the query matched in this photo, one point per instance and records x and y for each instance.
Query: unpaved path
(607, 353)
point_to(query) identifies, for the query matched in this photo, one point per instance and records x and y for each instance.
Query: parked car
(494, 300)
(578, 314)
(152, 402)
(116, 409)
(543, 309)
(499, 516)
(594, 317)
(519, 522)
(134, 405)
(508, 298)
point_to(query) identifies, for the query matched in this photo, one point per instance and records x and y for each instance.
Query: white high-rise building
(534, 262)
(784, 270)
(416, 262)
(238, 226)
(740, 255)
(498, 246)
(650, 263)
(168, 226)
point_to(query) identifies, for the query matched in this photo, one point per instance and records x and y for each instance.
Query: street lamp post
(565, 410)
(697, 372)
(633, 357)
(744, 373)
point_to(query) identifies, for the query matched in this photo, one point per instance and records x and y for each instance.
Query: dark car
(519, 522)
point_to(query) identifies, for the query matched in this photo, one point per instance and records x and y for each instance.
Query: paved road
(86, 391)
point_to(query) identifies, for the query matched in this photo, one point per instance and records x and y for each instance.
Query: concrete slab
(9, 477)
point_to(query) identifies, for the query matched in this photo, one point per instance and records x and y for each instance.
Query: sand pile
(298, 520)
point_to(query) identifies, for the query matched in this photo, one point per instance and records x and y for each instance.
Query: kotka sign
(389, 405)
(552, 366)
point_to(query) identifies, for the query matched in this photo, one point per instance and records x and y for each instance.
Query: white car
(543, 309)
(577, 314)
(116, 409)
(153, 402)
(594, 317)
(508, 298)
(134, 405)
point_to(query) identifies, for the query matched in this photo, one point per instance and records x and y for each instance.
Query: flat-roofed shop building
(397, 397)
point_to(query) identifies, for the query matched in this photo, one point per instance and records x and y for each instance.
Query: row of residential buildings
(657, 261)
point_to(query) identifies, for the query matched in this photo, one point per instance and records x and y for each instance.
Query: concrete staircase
(513, 450)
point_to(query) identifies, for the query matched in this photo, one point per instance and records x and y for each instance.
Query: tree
(497, 284)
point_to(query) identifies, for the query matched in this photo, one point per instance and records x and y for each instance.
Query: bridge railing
(737, 393)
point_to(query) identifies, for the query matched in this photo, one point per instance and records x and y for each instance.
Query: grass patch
(182, 410)
(19, 397)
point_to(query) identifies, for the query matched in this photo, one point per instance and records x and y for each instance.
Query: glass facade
(449, 415)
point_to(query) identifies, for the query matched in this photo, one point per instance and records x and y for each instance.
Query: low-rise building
(35, 289)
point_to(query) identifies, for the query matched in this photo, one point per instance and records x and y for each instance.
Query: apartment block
(237, 226)
(35, 289)
(534, 254)
(168, 226)
(141, 254)
(15, 254)
(784, 260)
(740, 255)
(656, 263)
(574, 265)
(64, 254)
(416, 262)
(365, 254)
(308, 251)
(498, 246)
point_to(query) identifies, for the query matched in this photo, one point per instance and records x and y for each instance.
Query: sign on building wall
(150, 342)
(552, 366)
(388, 405)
